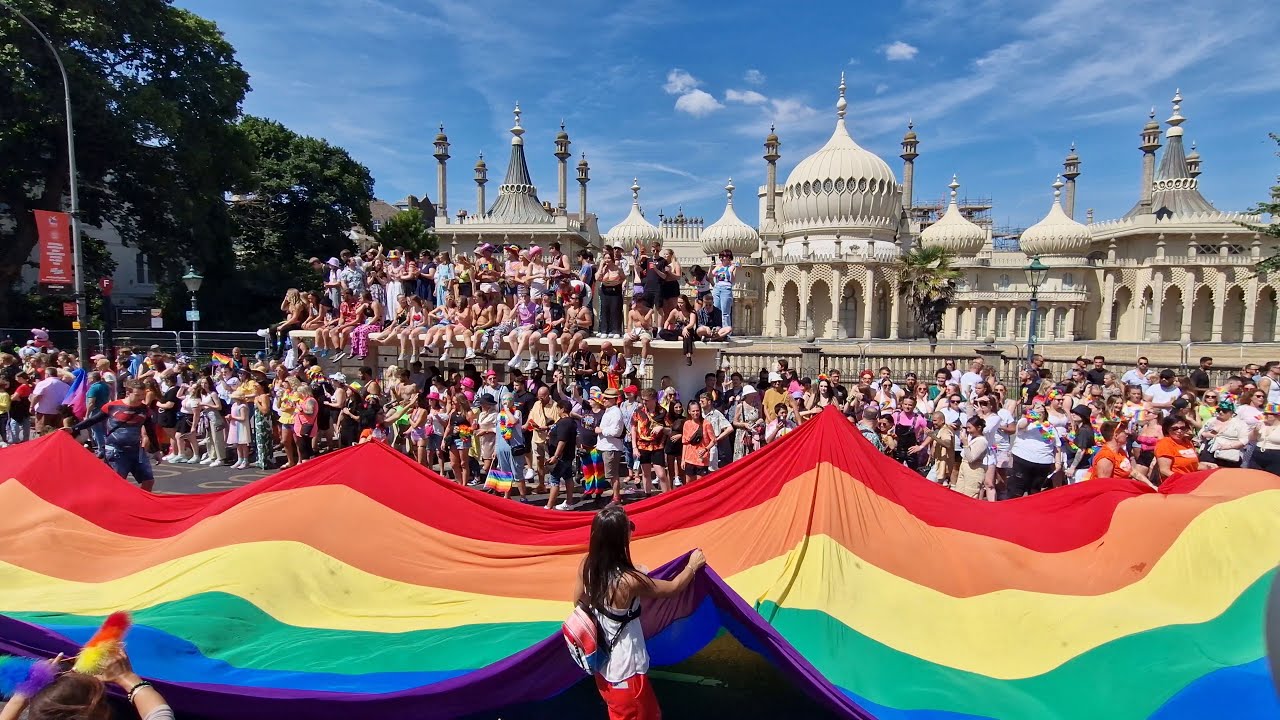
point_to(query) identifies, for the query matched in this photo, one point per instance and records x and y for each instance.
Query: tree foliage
(408, 230)
(1272, 209)
(155, 92)
(299, 199)
(928, 282)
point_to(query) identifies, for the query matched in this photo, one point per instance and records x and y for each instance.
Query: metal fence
(196, 344)
(902, 357)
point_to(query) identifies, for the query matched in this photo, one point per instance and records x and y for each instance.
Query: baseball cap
(1166, 374)
(632, 389)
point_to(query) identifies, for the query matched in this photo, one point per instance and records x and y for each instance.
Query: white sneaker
(514, 361)
(170, 458)
(563, 506)
(531, 365)
(528, 473)
(263, 332)
(338, 357)
(208, 461)
(471, 354)
(216, 463)
(551, 364)
(565, 360)
(640, 367)
(629, 369)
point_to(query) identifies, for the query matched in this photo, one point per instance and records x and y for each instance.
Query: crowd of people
(532, 301)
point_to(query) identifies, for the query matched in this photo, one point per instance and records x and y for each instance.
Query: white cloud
(680, 82)
(746, 97)
(881, 87)
(899, 50)
(698, 103)
(754, 77)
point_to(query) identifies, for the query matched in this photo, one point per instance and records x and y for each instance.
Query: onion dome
(954, 233)
(480, 165)
(1056, 234)
(729, 232)
(634, 230)
(841, 187)
(440, 136)
(562, 135)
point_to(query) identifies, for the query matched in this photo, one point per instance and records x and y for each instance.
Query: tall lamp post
(1036, 273)
(193, 280)
(77, 252)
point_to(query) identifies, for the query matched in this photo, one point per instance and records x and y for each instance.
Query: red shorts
(631, 699)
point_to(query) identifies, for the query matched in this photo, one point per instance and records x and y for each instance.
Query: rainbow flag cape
(361, 585)
(78, 397)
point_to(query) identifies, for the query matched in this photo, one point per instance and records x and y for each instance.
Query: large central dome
(841, 189)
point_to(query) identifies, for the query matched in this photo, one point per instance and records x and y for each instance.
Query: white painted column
(868, 299)
(895, 308)
(1188, 302)
(1219, 304)
(837, 304)
(804, 323)
(1250, 308)
(1108, 301)
(1071, 323)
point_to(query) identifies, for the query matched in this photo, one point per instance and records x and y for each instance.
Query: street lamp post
(1036, 273)
(77, 251)
(193, 280)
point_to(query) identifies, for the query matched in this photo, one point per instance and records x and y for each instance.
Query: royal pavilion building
(824, 260)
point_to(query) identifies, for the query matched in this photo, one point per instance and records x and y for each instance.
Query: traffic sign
(193, 316)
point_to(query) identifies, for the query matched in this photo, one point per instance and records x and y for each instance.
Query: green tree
(299, 200)
(408, 229)
(1272, 209)
(928, 282)
(155, 92)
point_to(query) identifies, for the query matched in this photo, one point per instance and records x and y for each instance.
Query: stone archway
(1202, 315)
(1264, 316)
(851, 310)
(1233, 316)
(790, 309)
(1122, 315)
(1171, 315)
(819, 310)
(880, 316)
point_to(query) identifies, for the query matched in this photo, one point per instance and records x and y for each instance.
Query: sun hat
(1271, 409)
(356, 385)
(1226, 406)
(1082, 411)
(433, 395)
(484, 247)
(333, 262)
(611, 393)
(748, 390)
(797, 394)
(468, 382)
(490, 373)
(775, 377)
(340, 378)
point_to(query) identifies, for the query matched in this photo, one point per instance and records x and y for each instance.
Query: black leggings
(1268, 460)
(306, 448)
(279, 337)
(1026, 477)
(611, 309)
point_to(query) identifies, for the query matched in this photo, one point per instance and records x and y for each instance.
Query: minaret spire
(1071, 171)
(841, 104)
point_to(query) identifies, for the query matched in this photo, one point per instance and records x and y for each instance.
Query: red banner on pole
(54, 230)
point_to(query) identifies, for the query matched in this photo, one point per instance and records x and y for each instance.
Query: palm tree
(928, 282)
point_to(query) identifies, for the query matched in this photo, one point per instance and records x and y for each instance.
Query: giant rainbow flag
(361, 585)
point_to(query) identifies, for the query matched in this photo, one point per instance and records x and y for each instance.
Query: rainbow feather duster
(95, 652)
(25, 676)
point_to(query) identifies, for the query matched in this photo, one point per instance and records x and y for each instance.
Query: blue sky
(681, 95)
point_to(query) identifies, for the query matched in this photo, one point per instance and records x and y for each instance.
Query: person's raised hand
(697, 560)
(118, 670)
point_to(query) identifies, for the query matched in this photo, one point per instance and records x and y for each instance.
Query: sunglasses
(1178, 428)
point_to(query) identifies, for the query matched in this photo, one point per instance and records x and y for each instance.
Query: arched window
(1068, 282)
(1002, 322)
(1003, 284)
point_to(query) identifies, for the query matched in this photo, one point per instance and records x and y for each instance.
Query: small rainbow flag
(221, 359)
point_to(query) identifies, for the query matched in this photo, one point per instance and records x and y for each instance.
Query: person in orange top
(698, 441)
(1112, 459)
(1175, 453)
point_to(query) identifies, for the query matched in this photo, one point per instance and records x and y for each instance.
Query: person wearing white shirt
(1139, 376)
(972, 377)
(1162, 394)
(609, 441)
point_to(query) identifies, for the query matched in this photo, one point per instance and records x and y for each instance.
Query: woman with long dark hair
(611, 586)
